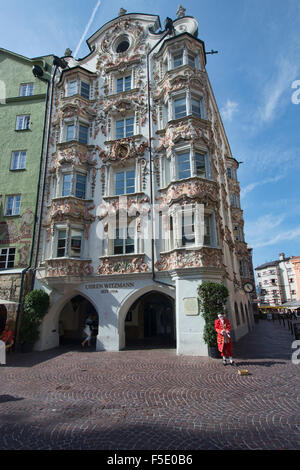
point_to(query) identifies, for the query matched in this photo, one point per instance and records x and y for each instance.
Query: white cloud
(87, 27)
(277, 90)
(267, 230)
(229, 109)
(251, 186)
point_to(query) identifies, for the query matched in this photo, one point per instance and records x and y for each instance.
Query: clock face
(248, 287)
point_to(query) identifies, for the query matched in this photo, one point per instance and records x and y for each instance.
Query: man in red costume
(223, 327)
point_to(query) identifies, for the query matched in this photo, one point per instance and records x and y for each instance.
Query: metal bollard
(2, 353)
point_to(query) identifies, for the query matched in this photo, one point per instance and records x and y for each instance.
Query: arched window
(237, 315)
(243, 314)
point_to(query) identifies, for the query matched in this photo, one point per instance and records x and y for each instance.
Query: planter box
(214, 352)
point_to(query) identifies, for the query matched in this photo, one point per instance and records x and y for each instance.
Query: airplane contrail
(87, 27)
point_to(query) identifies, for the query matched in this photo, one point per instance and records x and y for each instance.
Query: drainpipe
(56, 63)
(169, 30)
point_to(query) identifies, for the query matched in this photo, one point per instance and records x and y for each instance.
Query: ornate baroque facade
(135, 130)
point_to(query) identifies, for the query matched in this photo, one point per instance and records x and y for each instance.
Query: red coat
(219, 327)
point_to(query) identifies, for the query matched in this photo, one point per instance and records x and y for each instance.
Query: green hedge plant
(36, 305)
(212, 299)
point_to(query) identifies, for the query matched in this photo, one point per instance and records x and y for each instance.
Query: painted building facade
(278, 281)
(136, 134)
(22, 117)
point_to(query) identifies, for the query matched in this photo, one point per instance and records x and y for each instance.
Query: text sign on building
(190, 306)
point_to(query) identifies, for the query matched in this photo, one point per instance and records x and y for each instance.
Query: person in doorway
(223, 327)
(87, 331)
(7, 337)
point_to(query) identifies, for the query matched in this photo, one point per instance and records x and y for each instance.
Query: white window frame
(193, 152)
(77, 88)
(23, 122)
(188, 96)
(85, 126)
(123, 78)
(19, 157)
(16, 206)
(125, 134)
(124, 240)
(26, 89)
(125, 171)
(73, 182)
(68, 241)
(7, 255)
(200, 221)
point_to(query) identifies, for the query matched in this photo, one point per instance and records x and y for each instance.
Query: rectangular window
(83, 134)
(123, 84)
(18, 160)
(13, 204)
(7, 258)
(85, 90)
(207, 230)
(23, 122)
(76, 241)
(234, 201)
(179, 108)
(184, 167)
(80, 186)
(61, 243)
(123, 245)
(124, 128)
(188, 229)
(70, 132)
(66, 188)
(72, 87)
(125, 182)
(229, 173)
(196, 107)
(177, 60)
(200, 165)
(191, 60)
(26, 89)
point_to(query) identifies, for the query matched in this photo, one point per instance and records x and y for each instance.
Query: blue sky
(259, 59)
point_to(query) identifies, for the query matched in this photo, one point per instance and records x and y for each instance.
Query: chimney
(281, 256)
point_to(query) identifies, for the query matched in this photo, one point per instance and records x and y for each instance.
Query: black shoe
(224, 363)
(232, 363)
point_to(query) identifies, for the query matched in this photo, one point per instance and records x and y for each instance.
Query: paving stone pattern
(153, 399)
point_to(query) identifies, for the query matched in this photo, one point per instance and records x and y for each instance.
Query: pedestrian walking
(223, 327)
(87, 331)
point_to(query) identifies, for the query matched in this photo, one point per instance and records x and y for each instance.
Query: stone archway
(72, 319)
(3, 317)
(150, 322)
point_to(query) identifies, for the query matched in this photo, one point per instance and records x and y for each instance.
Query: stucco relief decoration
(133, 30)
(180, 259)
(136, 264)
(123, 150)
(228, 238)
(181, 80)
(68, 267)
(204, 191)
(13, 232)
(70, 207)
(182, 131)
(73, 155)
(242, 250)
(132, 205)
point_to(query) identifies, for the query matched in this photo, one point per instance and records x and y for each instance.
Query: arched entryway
(72, 321)
(150, 322)
(3, 317)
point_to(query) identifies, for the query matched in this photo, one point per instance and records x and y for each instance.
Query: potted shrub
(35, 308)
(212, 298)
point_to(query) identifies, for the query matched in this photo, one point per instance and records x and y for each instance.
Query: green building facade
(23, 99)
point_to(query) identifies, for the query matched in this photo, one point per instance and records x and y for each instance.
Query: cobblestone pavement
(153, 399)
